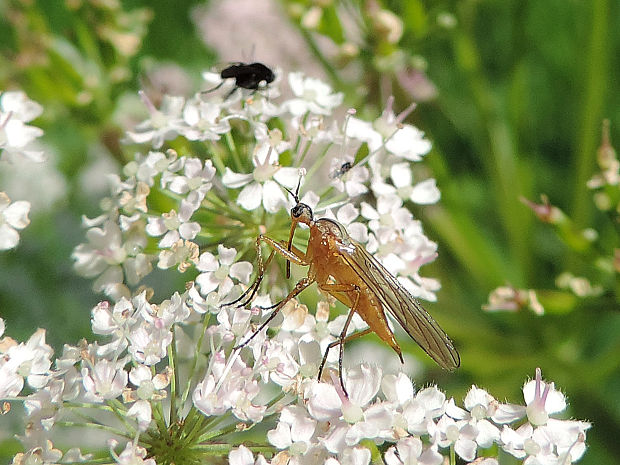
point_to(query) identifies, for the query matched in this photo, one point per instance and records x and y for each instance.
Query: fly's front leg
(340, 288)
(247, 296)
(300, 286)
(295, 256)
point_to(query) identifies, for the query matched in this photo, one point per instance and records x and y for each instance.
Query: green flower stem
(200, 424)
(232, 148)
(220, 207)
(499, 155)
(303, 154)
(109, 429)
(216, 158)
(276, 399)
(317, 164)
(596, 84)
(375, 454)
(120, 411)
(215, 433)
(174, 380)
(192, 369)
(221, 449)
(329, 69)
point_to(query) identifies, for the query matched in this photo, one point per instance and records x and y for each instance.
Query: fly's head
(301, 213)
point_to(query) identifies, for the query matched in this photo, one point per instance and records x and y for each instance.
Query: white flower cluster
(318, 423)
(181, 381)
(205, 201)
(329, 427)
(120, 373)
(16, 143)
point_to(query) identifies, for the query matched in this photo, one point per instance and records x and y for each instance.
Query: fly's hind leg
(342, 288)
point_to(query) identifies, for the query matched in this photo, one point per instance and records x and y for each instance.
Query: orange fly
(344, 269)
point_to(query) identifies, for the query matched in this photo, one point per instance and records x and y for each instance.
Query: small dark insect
(344, 269)
(340, 172)
(246, 76)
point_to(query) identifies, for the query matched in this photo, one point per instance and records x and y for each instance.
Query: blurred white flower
(16, 137)
(258, 187)
(163, 124)
(13, 217)
(311, 96)
(174, 226)
(217, 273)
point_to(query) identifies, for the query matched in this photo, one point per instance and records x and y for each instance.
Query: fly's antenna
(302, 172)
(294, 195)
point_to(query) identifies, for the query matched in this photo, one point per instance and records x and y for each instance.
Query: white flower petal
(9, 238)
(287, 176)
(241, 456)
(488, 433)
(397, 388)
(296, 82)
(425, 192)
(476, 396)
(155, 226)
(355, 456)
(401, 174)
(363, 383)
(141, 411)
(227, 255)
(369, 212)
(466, 449)
(355, 188)
(189, 230)
(169, 239)
(281, 436)
(251, 196)
(207, 262)
(323, 401)
(241, 271)
(358, 231)
(507, 413)
(16, 214)
(235, 180)
(273, 197)
(408, 142)
(555, 401)
(347, 213)
(207, 282)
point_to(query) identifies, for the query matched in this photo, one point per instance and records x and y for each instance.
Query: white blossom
(16, 137)
(13, 217)
(311, 95)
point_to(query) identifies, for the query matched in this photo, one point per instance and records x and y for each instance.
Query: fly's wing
(418, 323)
(234, 70)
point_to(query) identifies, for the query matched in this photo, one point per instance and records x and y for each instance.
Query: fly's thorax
(332, 230)
(327, 240)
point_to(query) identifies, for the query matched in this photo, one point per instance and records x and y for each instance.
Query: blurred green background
(512, 94)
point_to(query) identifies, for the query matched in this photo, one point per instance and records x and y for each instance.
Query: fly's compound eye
(301, 209)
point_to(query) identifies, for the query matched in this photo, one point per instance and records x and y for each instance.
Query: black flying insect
(248, 75)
